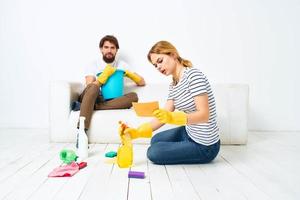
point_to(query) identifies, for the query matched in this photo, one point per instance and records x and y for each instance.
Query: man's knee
(132, 96)
(92, 88)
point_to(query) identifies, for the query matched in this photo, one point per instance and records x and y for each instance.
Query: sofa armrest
(62, 94)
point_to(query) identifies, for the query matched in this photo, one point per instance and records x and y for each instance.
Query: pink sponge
(135, 174)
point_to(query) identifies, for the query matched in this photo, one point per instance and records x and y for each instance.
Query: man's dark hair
(111, 39)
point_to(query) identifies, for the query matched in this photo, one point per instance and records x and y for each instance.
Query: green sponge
(111, 154)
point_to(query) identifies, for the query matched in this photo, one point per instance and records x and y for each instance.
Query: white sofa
(231, 102)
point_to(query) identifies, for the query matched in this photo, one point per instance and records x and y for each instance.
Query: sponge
(135, 174)
(111, 154)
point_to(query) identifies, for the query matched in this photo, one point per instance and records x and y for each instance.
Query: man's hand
(96, 82)
(164, 116)
(135, 78)
(89, 79)
(107, 72)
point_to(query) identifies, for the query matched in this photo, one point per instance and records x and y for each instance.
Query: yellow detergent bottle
(125, 152)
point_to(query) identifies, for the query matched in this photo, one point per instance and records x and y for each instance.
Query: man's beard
(109, 59)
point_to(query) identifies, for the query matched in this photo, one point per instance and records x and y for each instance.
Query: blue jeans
(174, 146)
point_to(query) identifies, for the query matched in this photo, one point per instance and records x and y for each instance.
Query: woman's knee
(153, 155)
(155, 139)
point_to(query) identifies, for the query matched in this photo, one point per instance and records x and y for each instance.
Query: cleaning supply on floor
(82, 151)
(82, 165)
(125, 152)
(111, 154)
(125, 156)
(67, 170)
(136, 174)
(67, 156)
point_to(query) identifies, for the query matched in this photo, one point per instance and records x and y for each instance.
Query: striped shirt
(194, 83)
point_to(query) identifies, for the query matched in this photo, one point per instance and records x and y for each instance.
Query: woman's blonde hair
(165, 47)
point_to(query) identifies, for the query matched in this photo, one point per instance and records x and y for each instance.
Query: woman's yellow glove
(164, 116)
(144, 131)
(107, 72)
(133, 76)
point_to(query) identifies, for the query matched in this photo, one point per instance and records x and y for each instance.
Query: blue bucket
(114, 86)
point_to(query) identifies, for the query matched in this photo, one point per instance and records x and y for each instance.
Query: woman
(190, 105)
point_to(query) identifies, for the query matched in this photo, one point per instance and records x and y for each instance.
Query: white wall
(254, 42)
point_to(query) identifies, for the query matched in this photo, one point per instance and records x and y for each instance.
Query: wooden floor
(266, 168)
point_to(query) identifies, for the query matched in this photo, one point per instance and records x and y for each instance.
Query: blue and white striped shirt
(194, 83)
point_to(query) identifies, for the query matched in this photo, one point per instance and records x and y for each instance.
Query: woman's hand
(164, 116)
(144, 130)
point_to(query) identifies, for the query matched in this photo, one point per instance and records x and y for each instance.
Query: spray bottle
(125, 151)
(82, 151)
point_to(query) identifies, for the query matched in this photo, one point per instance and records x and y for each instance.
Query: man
(91, 98)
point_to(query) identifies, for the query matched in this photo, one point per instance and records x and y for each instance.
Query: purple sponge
(135, 174)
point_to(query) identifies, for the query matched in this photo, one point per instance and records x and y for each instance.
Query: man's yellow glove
(133, 76)
(164, 116)
(145, 131)
(107, 72)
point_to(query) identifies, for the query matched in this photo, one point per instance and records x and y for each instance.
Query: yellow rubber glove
(164, 116)
(133, 76)
(144, 131)
(107, 72)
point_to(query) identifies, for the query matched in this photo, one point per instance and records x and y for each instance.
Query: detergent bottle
(125, 152)
(82, 151)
